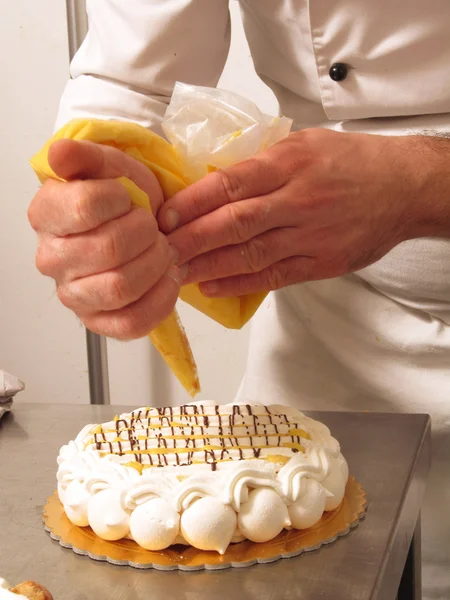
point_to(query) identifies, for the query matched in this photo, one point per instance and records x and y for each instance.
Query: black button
(338, 71)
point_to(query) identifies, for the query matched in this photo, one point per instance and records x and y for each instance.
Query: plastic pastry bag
(214, 129)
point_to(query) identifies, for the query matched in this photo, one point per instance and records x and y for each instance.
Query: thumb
(71, 159)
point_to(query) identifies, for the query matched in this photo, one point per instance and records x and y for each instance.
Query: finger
(138, 319)
(281, 274)
(253, 256)
(116, 288)
(255, 177)
(113, 244)
(231, 224)
(72, 160)
(66, 208)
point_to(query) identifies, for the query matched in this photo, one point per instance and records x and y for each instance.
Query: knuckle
(35, 209)
(255, 255)
(83, 206)
(275, 278)
(300, 150)
(126, 331)
(135, 320)
(309, 134)
(42, 260)
(48, 256)
(95, 323)
(243, 222)
(112, 246)
(198, 240)
(33, 214)
(231, 185)
(139, 319)
(315, 139)
(147, 223)
(118, 237)
(66, 296)
(118, 289)
(131, 324)
(208, 265)
(135, 326)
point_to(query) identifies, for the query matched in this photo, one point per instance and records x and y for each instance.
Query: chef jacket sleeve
(136, 50)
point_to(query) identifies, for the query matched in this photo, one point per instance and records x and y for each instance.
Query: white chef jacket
(375, 340)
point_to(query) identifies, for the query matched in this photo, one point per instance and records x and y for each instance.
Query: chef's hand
(316, 205)
(111, 265)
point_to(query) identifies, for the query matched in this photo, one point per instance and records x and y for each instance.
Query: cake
(201, 475)
(28, 590)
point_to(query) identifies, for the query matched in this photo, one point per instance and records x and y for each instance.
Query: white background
(41, 341)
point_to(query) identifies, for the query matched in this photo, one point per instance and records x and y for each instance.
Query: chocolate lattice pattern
(191, 434)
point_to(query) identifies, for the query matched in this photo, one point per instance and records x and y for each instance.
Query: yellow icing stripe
(206, 447)
(273, 458)
(210, 436)
(175, 424)
(294, 446)
(277, 458)
(300, 433)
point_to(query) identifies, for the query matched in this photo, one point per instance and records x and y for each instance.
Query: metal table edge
(402, 534)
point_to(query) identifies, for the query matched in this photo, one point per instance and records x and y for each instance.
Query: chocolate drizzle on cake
(191, 434)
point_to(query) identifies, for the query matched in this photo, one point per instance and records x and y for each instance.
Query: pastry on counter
(27, 590)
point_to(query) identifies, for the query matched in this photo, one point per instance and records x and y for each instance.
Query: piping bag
(206, 129)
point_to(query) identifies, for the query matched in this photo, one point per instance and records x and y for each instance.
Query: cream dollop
(263, 516)
(208, 524)
(106, 515)
(308, 509)
(250, 475)
(335, 482)
(154, 525)
(75, 501)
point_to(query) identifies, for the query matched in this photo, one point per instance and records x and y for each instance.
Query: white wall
(40, 341)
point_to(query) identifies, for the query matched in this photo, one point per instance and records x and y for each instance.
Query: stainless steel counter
(388, 454)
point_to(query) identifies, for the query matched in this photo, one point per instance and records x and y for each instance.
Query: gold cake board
(82, 540)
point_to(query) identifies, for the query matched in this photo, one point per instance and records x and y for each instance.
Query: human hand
(317, 205)
(112, 266)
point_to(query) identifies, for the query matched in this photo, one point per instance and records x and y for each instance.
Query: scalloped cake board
(82, 540)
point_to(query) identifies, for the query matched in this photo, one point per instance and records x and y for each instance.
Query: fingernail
(174, 273)
(172, 219)
(209, 288)
(178, 274)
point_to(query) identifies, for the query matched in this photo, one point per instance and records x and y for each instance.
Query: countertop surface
(389, 454)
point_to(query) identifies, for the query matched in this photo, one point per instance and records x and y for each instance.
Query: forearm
(429, 163)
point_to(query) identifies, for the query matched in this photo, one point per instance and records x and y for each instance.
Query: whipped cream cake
(201, 475)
